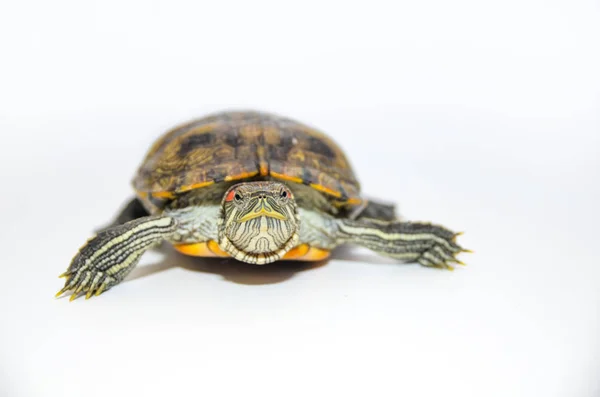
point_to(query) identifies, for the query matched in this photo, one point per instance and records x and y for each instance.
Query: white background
(482, 116)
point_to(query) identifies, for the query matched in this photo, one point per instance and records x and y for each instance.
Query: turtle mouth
(260, 239)
(260, 234)
(257, 258)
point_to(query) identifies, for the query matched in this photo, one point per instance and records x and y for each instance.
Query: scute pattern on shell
(240, 145)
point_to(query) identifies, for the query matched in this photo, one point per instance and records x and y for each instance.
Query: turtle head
(259, 222)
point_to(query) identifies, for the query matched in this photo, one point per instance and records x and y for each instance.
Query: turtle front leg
(107, 258)
(427, 244)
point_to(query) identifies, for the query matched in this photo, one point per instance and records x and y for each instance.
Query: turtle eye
(285, 194)
(233, 195)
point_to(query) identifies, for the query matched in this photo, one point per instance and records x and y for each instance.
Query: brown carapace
(234, 146)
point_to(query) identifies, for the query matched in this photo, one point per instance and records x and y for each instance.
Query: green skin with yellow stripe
(257, 215)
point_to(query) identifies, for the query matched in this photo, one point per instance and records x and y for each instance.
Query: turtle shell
(233, 146)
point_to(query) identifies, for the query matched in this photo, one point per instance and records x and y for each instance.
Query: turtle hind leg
(425, 243)
(132, 210)
(107, 258)
(378, 210)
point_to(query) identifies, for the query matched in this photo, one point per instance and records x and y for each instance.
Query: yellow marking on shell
(74, 296)
(324, 189)
(201, 129)
(285, 177)
(339, 204)
(204, 249)
(354, 201)
(165, 195)
(172, 195)
(263, 166)
(186, 188)
(241, 176)
(305, 252)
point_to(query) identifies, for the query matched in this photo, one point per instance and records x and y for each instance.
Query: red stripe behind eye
(230, 195)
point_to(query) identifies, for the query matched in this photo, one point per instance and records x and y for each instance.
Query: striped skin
(247, 230)
(259, 224)
(108, 257)
(428, 244)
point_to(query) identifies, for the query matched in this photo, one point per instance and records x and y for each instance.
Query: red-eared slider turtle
(256, 187)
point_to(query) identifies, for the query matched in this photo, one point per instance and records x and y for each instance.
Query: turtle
(254, 186)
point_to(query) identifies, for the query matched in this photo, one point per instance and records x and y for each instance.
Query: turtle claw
(100, 289)
(443, 255)
(456, 235)
(62, 291)
(436, 259)
(459, 262)
(93, 283)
